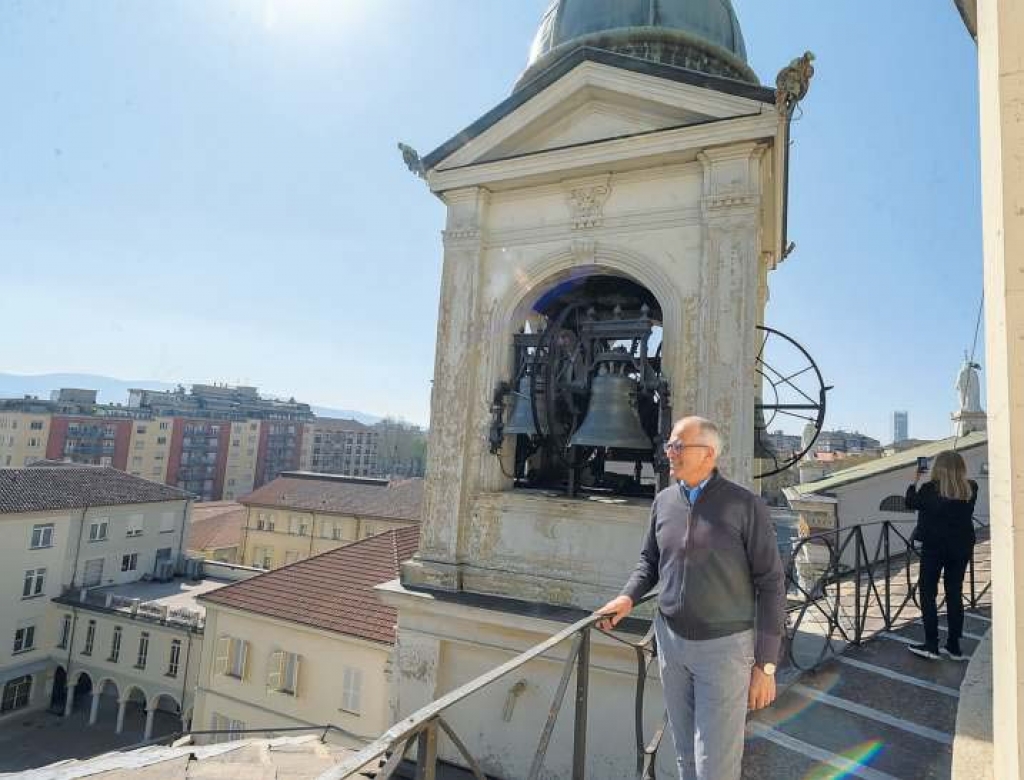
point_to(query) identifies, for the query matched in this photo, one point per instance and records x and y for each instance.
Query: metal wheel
(791, 388)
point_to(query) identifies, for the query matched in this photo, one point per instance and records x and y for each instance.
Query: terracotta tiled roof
(339, 495)
(332, 591)
(205, 509)
(40, 488)
(217, 530)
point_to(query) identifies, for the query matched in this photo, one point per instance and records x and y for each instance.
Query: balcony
(852, 701)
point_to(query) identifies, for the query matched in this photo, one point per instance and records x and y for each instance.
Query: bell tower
(610, 231)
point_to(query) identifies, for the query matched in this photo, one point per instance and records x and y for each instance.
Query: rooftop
(337, 494)
(67, 486)
(216, 530)
(333, 591)
(900, 460)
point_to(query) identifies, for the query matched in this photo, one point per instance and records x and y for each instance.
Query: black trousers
(951, 566)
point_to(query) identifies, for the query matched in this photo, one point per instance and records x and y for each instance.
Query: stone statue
(412, 160)
(969, 386)
(793, 81)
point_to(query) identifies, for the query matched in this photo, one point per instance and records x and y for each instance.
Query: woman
(945, 529)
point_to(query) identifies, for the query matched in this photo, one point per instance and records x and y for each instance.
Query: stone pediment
(593, 102)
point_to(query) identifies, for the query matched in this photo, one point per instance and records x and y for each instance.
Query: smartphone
(922, 465)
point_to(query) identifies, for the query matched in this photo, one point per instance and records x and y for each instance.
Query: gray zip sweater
(717, 563)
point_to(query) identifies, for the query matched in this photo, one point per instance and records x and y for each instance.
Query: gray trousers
(706, 684)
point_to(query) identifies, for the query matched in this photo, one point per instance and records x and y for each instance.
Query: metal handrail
(423, 725)
(825, 599)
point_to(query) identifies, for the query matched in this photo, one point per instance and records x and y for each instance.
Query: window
(115, 646)
(337, 536)
(42, 536)
(141, 430)
(65, 631)
(17, 693)
(290, 556)
(140, 662)
(230, 657)
(130, 561)
(163, 427)
(33, 584)
(25, 639)
(36, 425)
(351, 690)
(98, 530)
(134, 525)
(894, 504)
(231, 727)
(283, 672)
(175, 658)
(161, 439)
(167, 523)
(90, 638)
(263, 557)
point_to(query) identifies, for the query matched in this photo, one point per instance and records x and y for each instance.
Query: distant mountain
(109, 390)
(115, 391)
(348, 414)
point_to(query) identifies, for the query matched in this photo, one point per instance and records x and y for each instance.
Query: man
(711, 546)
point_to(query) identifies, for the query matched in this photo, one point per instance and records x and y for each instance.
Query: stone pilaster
(455, 394)
(1001, 73)
(730, 295)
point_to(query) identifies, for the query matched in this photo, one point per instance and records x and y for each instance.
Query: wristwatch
(768, 668)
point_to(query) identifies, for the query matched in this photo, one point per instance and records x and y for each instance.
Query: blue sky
(210, 191)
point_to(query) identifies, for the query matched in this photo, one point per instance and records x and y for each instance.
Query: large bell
(520, 420)
(612, 420)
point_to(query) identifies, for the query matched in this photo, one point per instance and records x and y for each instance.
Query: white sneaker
(922, 651)
(953, 656)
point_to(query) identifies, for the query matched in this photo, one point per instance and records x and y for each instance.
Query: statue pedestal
(969, 422)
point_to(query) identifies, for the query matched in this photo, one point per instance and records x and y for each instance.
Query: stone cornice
(682, 144)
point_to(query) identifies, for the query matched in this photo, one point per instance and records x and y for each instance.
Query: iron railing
(848, 585)
(423, 727)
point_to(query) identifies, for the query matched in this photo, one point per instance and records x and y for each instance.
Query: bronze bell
(520, 419)
(612, 419)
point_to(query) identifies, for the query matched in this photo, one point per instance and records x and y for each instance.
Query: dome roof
(701, 35)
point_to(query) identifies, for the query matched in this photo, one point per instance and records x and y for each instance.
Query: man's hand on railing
(614, 611)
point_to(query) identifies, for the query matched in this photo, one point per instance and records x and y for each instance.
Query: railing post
(857, 624)
(426, 752)
(888, 577)
(970, 569)
(579, 741)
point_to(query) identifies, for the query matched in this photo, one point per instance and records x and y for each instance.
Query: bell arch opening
(586, 408)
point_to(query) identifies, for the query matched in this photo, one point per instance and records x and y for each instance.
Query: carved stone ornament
(792, 83)
(584, 251)
(586, 201)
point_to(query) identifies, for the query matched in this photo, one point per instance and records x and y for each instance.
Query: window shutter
(222, 655)
(242, 667)
(275, 670)
(293, 683)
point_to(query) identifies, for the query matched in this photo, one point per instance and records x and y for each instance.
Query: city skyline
(223, 216)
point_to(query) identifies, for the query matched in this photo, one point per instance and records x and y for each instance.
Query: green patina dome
(701, 35)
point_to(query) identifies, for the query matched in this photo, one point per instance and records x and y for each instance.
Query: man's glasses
(677, 447)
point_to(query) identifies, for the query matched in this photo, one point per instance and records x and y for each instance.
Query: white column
(121, 705)
(69, 702)
(1001, 74)
(95, 709)
(449, 486)
(150, 713)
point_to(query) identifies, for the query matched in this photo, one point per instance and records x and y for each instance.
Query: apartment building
(69, 528)
(301, 514)
(305, 645)
(339, 446)
(217, 442)
(24, 431)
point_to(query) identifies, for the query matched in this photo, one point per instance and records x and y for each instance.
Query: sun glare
(285, 16)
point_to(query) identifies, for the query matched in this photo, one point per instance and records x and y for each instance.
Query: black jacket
(717, 563)
(943, 524)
